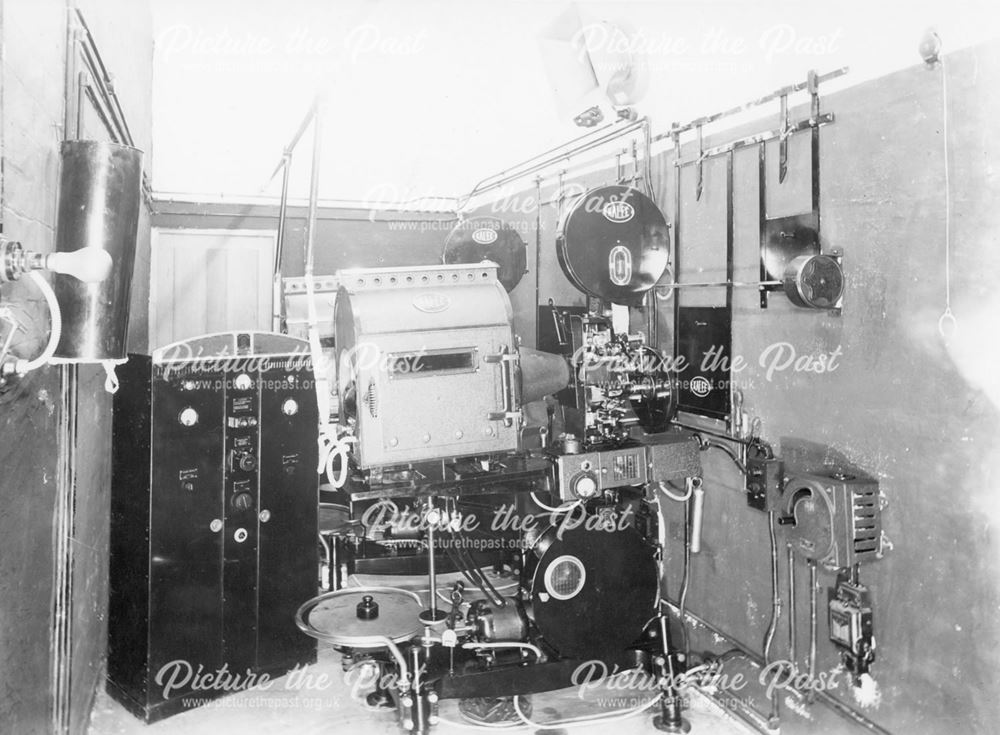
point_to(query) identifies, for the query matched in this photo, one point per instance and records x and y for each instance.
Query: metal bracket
(783, 141)
(885, 544)
(700, 163)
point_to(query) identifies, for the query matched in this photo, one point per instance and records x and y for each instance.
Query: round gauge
(243, 382)
(585, 486)
(290, 407)
(188, 416)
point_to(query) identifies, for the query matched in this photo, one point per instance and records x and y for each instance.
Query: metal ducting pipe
(99, 197)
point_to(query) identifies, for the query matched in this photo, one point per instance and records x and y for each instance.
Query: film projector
(444, 472)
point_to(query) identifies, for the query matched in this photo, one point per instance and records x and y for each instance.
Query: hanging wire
(947, 324)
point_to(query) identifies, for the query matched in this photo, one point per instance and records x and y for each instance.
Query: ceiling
(425, 98)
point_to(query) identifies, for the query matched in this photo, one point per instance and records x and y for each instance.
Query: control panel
(765, 478)
(586, 475)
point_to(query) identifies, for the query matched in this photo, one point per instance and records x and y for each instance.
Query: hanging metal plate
(613, 243)
(786, 238)
(488, 238)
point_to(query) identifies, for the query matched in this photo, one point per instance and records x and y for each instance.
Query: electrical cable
(706, 445)
(519, 726)
(682, 600)
(774, 715)
(679, 498)
(584, 721)
(775, 596)
(472, 645)
(466, 564)
(946, 317)
(565, 507)
(55, 331)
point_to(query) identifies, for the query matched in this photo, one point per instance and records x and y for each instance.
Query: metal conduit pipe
(481, 188)
(507, 173)
(835, 704)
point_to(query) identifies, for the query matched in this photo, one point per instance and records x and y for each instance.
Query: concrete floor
(334, 710)
(313, 705)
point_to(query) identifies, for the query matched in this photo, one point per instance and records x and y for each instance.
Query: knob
(188, 417)
(290, 407)
(247, 462)
(367, 609)
(243, 382)
(243, 501)
(585, 487)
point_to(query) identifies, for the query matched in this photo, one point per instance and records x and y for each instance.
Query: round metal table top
(333, 617)
(334, 518)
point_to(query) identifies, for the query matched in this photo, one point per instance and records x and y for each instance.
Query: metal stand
(432, 615)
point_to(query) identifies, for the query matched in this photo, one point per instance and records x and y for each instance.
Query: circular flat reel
(592, 591)
(333, 617)
(814, 281)
(613, 243)
(334, 518)
(488, 238)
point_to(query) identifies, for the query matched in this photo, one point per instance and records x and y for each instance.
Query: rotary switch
(243, 501)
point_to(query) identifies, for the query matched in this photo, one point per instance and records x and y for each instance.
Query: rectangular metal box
(213, 517)
(427, 365)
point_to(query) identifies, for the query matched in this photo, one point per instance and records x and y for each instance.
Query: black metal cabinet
(214, 517)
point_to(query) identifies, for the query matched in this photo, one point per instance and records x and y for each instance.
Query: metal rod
(824, 697)
(798, 86)
(431, 567)
(775, 596)
(730, 238)
(783, 138)
(677, 242)
(850, 713)
(482, 188)
(313, 187)
(792, 643)
(710, 432)
(512, 171)
(719, 284)
(756, 138)
(286, 155)
(282, 212)
(774, 717)
(762, 216)
(538, 256)
(810, 695)
(93, 59)
(278, 301)
(699, 162)
(686, 642)
(647, 158)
